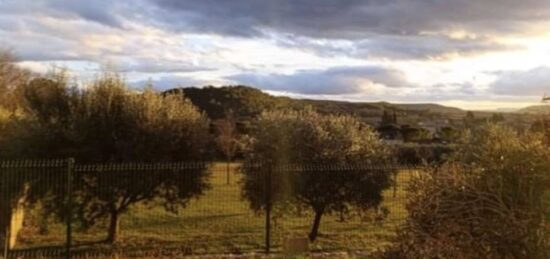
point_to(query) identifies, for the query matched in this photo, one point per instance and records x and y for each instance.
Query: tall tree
(334, 151)
(227, 139)
(12, 77)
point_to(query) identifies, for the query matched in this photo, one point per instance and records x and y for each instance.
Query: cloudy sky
(474, 54)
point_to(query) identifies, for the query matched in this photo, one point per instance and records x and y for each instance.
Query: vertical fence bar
(395, 171)
(5, 193)
(227, 170)
(7, 242)
(69, 209)
(6, 199)
(267, 210)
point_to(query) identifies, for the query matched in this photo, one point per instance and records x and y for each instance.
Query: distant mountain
(437, 108)
(503, 109)
(248, 102)
(535, 109)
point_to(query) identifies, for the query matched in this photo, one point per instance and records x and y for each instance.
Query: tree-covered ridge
(535, 109)
(249, 102)
(245, 101)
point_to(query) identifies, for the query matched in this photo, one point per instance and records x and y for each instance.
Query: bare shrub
(490, 202)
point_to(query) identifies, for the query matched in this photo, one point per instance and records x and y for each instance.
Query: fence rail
(58, 208)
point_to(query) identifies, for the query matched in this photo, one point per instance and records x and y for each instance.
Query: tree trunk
(114, 226)
(394, 184)
(11, 218)
(315, 228)
(5, 221)
(227, 170)
(16, 222)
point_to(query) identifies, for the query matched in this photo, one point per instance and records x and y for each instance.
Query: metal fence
(61, 209)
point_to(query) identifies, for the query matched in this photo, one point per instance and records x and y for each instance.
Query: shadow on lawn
(102, 247)
(208, 218)
(99, 249)
(54, 250)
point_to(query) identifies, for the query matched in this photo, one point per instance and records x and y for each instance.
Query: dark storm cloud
(338, 80)
(426, 47)
(350, 19)
(398, 47)
(375, 28)
(330, 19)
(104, 12)
(534, 82)
(100, 11)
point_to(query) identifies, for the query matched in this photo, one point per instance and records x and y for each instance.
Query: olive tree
(336, 157)
(20, 184)
(109, 123)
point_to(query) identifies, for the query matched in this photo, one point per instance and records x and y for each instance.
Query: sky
(472, 54)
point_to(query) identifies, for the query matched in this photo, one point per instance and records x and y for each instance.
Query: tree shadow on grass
(53, 250)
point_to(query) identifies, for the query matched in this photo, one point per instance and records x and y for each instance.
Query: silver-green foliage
(331, 160)
(106, 122)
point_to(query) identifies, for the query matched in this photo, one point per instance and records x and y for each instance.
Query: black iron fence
(61, 209)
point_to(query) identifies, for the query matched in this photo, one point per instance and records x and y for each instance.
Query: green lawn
(221, 222)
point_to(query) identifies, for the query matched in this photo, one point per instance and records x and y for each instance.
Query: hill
(243, 101)
(535, 109)
(436, 108)
(248, 102)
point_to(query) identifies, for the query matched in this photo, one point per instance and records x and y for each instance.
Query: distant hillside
(248, 102)
(535, 109)
(437, 108)
(243, 101)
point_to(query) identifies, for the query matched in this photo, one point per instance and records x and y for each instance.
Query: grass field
(221, 222)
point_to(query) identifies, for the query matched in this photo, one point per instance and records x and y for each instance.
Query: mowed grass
(220, 221)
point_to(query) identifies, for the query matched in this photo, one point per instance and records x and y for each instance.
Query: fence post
(7, 242)
(395, 172)
(3, 198)
(268, 210)
(69, 207)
